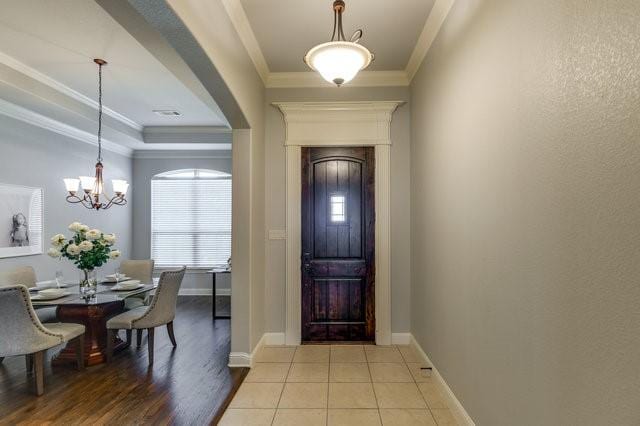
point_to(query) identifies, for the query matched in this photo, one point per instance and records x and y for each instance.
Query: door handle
(306, 261)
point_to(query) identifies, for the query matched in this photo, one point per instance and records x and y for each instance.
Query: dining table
(92, 311)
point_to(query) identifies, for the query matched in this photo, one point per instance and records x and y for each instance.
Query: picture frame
(21, 220)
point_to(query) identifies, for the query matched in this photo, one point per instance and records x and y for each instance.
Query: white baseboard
(239, 359)
(243, 359)
(458, 411)
(400, 338)
(204, 292)
(274, 339)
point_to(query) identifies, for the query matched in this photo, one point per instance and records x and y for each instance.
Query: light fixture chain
(99, 113)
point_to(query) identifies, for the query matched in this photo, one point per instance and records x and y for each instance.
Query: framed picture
(21, 221)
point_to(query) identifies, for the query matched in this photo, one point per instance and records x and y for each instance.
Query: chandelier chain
(99, 113)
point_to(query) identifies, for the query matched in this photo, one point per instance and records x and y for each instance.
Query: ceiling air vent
(167, 112)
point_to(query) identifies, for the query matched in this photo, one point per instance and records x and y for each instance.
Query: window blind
(190, 222)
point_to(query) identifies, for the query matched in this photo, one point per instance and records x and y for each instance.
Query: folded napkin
(129, 283)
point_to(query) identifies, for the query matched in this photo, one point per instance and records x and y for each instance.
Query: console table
(214, 272)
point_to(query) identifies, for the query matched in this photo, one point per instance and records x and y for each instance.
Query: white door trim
(338, 124)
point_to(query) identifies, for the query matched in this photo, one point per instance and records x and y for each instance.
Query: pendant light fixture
(94, 196)
(339, 60)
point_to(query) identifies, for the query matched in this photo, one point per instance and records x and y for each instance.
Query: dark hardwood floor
(188, 385)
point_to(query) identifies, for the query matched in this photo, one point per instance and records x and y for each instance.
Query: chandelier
(94, 196)
(338, 61)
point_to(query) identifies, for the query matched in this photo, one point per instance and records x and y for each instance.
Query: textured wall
(32, 156)
(275, 180)
(525, 169)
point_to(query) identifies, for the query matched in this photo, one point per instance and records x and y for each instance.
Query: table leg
(213, 308)
(94, 318)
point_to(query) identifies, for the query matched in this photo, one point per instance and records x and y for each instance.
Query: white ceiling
(285, 31)
(60, 38)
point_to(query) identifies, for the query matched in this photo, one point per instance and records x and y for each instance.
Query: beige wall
(525, 172)
(275, 179)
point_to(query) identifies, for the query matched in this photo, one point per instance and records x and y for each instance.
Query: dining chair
(161, 311)
(26, 276)
(141, 270)
(22, 333)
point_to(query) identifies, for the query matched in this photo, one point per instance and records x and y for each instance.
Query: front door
(338, 225)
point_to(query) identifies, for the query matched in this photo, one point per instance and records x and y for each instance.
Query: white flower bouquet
(88, 249)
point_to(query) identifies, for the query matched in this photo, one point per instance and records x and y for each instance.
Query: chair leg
(129, 337)
(138, 337)
(1, 359)
(38, 358)
(172, 337)
(150, 344)
(29, 359)
(111, 338)
(80, 352)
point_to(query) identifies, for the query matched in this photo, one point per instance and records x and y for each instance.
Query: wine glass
(59, 279)
(117, 276)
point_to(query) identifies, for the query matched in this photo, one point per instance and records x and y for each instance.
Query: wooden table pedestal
(94, 317)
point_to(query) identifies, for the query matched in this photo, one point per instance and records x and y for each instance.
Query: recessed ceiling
(60, 38)
(287, 30)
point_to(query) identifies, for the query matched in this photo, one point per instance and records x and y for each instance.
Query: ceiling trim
(64, 89)
(283, 80)
(243, 28)
(25, 115)
(313, 79)
(431, 29)
(186, 134)
(181, 154)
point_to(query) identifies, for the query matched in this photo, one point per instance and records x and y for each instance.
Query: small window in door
(338, 206)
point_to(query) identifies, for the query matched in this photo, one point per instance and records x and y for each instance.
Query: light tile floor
(329, 385)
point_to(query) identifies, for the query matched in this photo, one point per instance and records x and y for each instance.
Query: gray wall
(32, 156)
(145, 167)
(525, 173)
(275, 179)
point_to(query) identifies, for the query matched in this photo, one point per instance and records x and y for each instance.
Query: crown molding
(431, 29)
(303, 79)
(359, 123)
(181, 154)
(313, 79)
(39, 120)
(64, 89)
(243, 28)
(187, 134)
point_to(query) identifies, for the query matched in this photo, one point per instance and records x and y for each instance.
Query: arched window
(191, 218)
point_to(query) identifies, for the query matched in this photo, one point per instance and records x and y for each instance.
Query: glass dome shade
(338, 62)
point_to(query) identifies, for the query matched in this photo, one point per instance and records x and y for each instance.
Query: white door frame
(338, 124)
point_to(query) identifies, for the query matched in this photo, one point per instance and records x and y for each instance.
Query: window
(338, 208)
(191, 218)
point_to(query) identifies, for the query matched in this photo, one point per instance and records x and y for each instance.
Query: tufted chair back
(163, 307)
(21, 332)
(138, 270)
(22, 275)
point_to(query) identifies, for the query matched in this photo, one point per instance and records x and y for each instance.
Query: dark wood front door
(338, 269)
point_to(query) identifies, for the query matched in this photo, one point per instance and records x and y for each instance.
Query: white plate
(42, 297)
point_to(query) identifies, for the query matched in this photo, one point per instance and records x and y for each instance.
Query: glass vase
(88, 282)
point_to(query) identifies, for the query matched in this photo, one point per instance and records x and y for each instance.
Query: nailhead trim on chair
(34, 319)
(155, 297)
